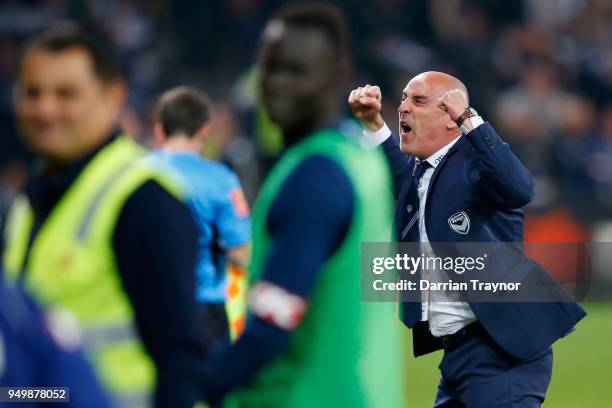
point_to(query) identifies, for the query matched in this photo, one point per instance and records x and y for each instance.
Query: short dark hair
(183, 110)
(66, 36)
(327, 18)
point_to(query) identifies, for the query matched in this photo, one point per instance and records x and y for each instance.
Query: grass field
(582, 371)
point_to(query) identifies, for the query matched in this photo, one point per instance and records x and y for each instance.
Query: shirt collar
(45, 187)
(437, 157)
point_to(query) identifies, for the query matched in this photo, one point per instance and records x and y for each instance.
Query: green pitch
(582, 370)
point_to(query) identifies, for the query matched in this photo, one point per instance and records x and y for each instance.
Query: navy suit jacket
(481, 177)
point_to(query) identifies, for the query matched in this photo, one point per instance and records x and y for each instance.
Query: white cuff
(475, 121)
(372, 139)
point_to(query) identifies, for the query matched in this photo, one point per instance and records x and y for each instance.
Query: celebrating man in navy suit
(455, 180)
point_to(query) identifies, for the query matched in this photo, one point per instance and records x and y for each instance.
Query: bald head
(425, 125)
(441, 82)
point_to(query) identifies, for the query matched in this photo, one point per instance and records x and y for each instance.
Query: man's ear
(158, 134)
(203, 132)
(116, 91)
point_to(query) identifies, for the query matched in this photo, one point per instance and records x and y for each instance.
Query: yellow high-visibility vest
(71, 264)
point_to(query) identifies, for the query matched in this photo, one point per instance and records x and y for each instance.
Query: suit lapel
(440, 165)
(437, 170)
(400, 209)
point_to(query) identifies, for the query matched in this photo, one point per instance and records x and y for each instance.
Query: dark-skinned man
(98, 232)
(309, 340)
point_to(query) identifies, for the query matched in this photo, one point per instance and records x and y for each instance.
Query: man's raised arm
(502, 178)
(366, 104)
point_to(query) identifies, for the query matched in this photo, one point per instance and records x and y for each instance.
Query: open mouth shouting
(405, 128)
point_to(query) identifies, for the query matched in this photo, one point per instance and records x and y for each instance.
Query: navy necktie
(410, 230)
(411, 311)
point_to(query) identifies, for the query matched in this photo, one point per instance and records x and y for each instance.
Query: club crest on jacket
(459, 222)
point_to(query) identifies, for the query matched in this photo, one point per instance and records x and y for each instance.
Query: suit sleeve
(499, 174)
(400, 163)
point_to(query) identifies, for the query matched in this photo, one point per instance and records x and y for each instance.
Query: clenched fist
(454, 102)
(365, 102)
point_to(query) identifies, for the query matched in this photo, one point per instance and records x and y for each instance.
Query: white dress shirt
(444, 317)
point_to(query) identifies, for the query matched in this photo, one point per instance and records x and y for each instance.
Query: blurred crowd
(540, 71)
